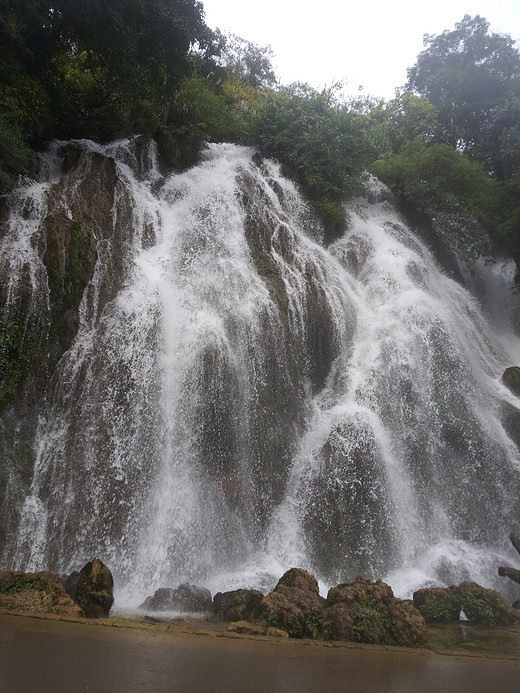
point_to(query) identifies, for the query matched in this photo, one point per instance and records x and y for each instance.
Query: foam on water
(246, 400)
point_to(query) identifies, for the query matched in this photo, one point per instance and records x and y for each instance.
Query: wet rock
(349, 493)
(361, 611)
(368, 612)
(511, 378)
(184, 598)
(41, 592)
(510, 417)
(95, 589)
(295, 605)
(70, 582)
(237, 605)
(484, 606)
(437, 604)
(511, 573)
(481, 605)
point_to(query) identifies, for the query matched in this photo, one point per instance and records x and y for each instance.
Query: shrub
(320, 144)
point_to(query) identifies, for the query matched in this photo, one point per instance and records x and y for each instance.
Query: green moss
(21, 584)
(477, 608)
(444, 609)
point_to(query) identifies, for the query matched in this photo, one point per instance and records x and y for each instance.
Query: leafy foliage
(507, 228)
(75, 68)
(21, 584)
(406, 118)
(72, 68)
(371, 625)
(473, 78)
(444, 608)
(320, 143)
(248, 62)
(456, 194)
(312, 625)
(15, 155)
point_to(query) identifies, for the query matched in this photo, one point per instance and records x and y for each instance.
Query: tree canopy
(93, 68)
(321, 143)
(448, 144)
(472, 76)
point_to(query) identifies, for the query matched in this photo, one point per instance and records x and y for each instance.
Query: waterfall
(234, 398)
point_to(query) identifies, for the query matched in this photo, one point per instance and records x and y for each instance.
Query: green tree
(134, 54)
(389, 125)
(26, 45)
(406, 118)
(456, 194)
(319, 141)
(94, 68)
(250, 63)
(15, 155)
(472, 76)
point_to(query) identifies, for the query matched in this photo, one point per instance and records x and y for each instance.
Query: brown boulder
(95, 589)
(484, 606)
(437, 604)
(36, 592)
(368, 612)
(295, 605)
(481, 605)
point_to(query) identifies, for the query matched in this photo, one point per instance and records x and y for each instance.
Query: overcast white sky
(367, 43)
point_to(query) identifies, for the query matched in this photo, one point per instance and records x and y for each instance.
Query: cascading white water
(405, 461)
(239, 399)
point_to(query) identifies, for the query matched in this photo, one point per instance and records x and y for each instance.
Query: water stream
(239, 399)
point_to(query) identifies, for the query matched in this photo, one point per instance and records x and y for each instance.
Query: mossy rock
(245, 628)
(95, 589)
(368, 612)
(437, 604)
(295, 605)
(482, 606)
(237, 605)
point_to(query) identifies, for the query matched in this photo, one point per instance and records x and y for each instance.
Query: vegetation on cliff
(463, 168)
(448, 145)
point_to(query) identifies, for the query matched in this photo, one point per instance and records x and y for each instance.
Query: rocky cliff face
(54, 235)
(193, 385)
